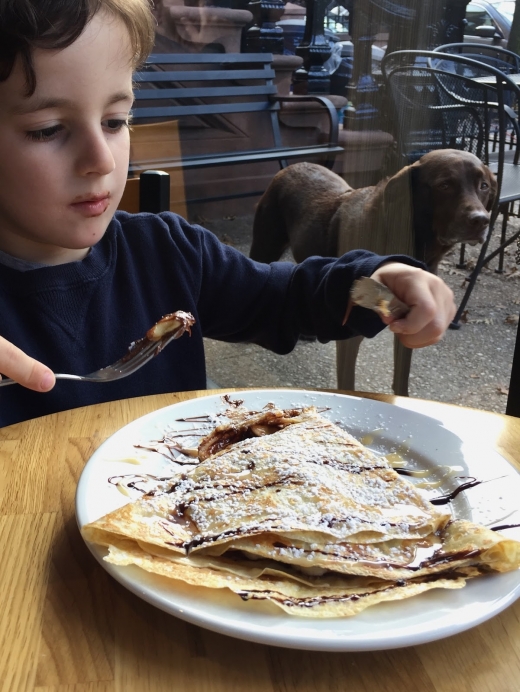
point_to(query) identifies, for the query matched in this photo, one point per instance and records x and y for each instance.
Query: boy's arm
(22, 368)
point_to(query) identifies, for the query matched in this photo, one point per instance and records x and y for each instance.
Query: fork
(169, 328)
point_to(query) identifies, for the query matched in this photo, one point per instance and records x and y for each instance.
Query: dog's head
(453, 193)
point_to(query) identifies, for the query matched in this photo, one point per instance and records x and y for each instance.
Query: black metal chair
(438, 103)
(494, 56)
(509, 63)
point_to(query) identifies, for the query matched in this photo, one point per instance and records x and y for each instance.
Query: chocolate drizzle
(502, 527)
(444, 499)
(314, 601)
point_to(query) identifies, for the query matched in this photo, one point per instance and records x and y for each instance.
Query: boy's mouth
(91, 205)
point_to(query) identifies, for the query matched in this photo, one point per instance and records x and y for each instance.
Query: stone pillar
(284, 67)
(195, 28)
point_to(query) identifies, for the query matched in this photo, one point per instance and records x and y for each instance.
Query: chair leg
(402, 365)
(461, 263)
(472, 279)
(513, 398)
(483, 259)
(505, 219)
(346, 355)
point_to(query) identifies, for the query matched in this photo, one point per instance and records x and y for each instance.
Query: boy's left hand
(431, 303)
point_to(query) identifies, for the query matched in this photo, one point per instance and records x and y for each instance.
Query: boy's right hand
(23, 369)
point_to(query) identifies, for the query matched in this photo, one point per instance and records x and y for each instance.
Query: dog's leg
(402, 365)
(270, 237)
(346, 354)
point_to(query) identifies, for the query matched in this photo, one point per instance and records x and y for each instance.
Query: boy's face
(64, 150)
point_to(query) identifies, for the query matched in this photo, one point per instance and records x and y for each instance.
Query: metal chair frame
(508, 62)
(487, 110)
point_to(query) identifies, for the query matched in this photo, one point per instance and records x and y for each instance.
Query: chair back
(220, 83)
(495, 56)
(438, 103)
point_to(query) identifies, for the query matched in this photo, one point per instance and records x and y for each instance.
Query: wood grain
(66, 626)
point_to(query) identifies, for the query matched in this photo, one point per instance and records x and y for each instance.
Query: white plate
(422, 440)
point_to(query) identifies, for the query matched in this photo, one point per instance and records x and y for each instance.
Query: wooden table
(66, 626)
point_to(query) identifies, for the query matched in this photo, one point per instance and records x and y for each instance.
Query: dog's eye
(444, 186)
(484, 185)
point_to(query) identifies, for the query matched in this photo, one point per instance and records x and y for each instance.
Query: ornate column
(312, 78)
(264, 36)
(363, 89)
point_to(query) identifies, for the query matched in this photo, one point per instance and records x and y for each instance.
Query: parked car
(489, 21)
(293, 30)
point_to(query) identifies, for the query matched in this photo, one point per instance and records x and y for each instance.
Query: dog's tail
(270, 237)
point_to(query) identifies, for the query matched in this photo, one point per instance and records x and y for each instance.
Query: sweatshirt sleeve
(273, 304)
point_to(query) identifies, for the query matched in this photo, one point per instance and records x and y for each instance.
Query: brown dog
(424, 210)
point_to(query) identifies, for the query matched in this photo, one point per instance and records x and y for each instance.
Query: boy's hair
(56, 24)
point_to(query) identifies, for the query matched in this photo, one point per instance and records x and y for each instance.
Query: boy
(78, 284)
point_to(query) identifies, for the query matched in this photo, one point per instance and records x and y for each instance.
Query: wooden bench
(207, 90)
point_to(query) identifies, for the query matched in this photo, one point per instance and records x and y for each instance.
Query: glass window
(476, 16)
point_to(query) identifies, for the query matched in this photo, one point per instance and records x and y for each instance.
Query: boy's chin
(72, 249)
(87, 235)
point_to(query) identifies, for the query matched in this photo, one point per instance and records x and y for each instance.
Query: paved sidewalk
(470, 366)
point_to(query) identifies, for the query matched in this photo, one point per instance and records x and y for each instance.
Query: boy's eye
(115, 124)
(44, 134)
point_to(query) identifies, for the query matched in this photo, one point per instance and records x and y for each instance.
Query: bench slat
(204, 92)
(198, 58)
(202, 109)
(202, 75)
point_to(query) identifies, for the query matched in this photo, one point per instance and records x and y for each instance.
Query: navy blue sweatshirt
(81, 316)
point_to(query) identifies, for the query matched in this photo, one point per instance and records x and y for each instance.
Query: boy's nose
(95, 155)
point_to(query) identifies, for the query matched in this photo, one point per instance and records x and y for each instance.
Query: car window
(476, 16)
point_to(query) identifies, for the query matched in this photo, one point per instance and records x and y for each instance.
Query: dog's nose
(478, 225)
(478, 219)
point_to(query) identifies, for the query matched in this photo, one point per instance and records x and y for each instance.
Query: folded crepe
(287, 507)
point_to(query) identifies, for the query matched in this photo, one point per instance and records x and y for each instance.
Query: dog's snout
(478, 219)
(478, 225)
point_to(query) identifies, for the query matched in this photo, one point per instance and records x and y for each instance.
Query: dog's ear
(408, 200)
(398, 214)
(493, 189)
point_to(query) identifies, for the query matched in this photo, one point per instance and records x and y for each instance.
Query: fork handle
(59, 376)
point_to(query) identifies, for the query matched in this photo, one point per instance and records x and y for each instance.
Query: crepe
(287, 507)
